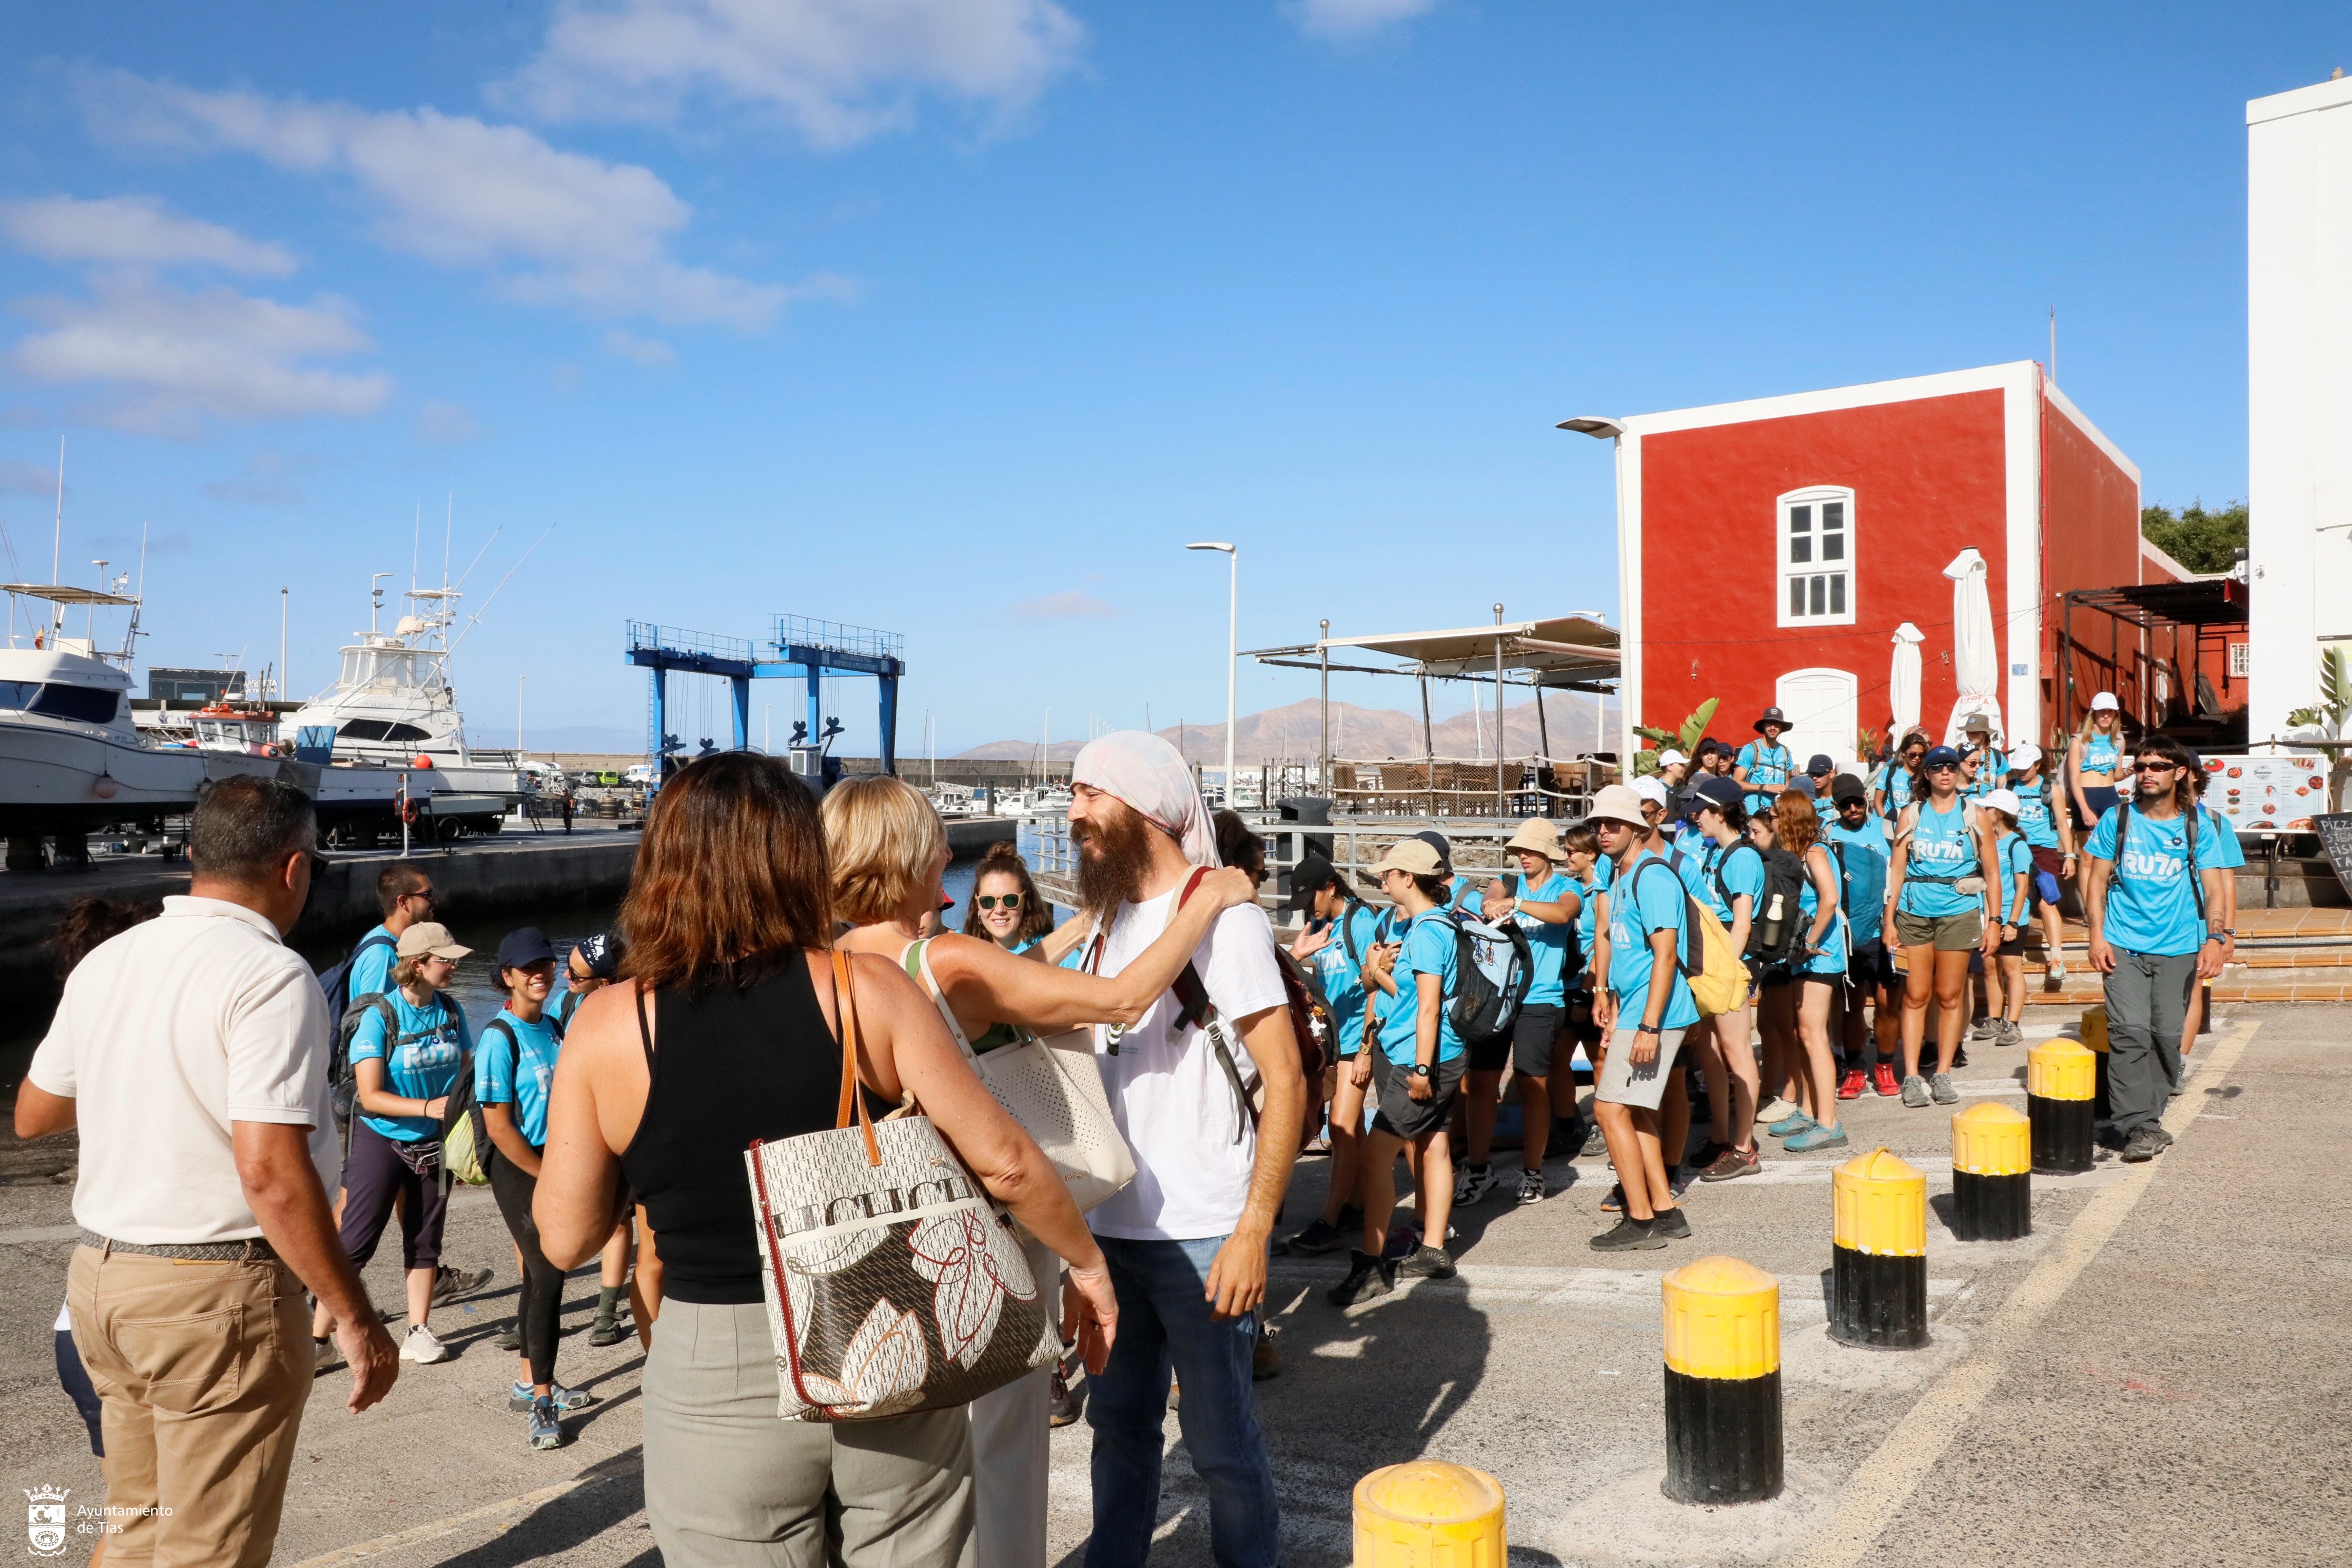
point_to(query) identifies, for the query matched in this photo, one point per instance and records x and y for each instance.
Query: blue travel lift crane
(796, 647)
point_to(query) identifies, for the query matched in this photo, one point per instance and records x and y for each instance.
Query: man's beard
(1114, 856)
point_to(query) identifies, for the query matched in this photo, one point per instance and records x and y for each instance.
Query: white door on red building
(1823, 708)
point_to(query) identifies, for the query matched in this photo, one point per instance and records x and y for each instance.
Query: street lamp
(1600, 427)
(1233, 647)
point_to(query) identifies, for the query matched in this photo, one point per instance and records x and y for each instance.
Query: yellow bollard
(2094, 1028)
(1723, 1383)
(1878, 1265)
(1429, 1514)
(1992, 1183)
(2060, 1083)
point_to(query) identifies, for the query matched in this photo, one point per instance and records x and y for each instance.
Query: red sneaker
(1850, 1086)
(1882, 1080)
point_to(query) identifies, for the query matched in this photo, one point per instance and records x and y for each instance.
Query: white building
(2299, 408)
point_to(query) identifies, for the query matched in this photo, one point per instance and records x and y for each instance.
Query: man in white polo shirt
(1186, 1241)
(191, 1054)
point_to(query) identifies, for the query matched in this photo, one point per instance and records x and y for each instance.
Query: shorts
(1621, 1083)
(2015, 946)
(1490, 1056)
(1776, 977)
(1577, 1017)
(1402, 1116)
(1532, 1038)
(1871, 966)
(1944, 933)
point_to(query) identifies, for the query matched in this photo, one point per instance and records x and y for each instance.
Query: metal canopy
(1561, 651)
(64, 594)
(2208, 602)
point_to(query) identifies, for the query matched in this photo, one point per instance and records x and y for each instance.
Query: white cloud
(28, 478)
(135, 231)
(651, 353)
(1351, 19)
(447, 422)
(839, 70)
(553, 227)
(1069, 606)
(169, 358)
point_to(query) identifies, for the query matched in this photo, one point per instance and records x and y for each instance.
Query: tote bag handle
(845, 1001)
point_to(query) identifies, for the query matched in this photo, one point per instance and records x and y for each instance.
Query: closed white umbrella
(1976, 660)
(1903, 681)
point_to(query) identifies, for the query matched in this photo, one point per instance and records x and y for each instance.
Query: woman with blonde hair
(724, 1030)
(888, 852)
(1793, 1006)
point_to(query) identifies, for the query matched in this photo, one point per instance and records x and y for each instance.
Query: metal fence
(801, 631)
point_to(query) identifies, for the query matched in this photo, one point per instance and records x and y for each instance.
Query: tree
(2199, 539)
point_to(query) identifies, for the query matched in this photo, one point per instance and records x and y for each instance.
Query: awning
(1560, 651)
(62, 594)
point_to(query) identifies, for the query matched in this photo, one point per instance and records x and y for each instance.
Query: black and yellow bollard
(1878, 1268)
(2094, 1040)
(2060, 1077)
(1723, 1383)
(1429, 1514)
(1992, 1180)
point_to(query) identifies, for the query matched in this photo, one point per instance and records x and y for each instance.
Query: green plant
(2335, 694)
(1646, 760)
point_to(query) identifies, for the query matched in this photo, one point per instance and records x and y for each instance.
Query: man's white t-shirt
(166, 1034)
(1170, 1099)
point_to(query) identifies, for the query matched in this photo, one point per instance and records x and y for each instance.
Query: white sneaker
(1774, 1109)
(423, 1345)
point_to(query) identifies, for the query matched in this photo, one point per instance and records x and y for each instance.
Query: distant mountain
(1365, 734)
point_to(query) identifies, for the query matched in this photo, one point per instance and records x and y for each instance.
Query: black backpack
(1776, 935)
(337, 983)
(343, 1078)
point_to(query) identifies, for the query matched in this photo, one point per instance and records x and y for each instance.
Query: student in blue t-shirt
(1857, 837)
(2005, 974)
(1763, 766)
(2156, 904)
(1416, 1070)
(1992, 767)
(406, 1052)
(1939, 887)
(2232, 856)
(1342, 936)
(2048, 826)
(1893, 782)
(513, 1068)
(1644, 1007)
(1726, 876)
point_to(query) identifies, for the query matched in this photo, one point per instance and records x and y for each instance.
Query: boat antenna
(485, 550)
(448, 522)
(475, 619)
(57, 547)
(415, 543)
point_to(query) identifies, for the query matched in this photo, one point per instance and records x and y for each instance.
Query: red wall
(2091, 539)
(1929, 481)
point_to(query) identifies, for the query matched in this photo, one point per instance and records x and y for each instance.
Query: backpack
(1573, 956)
(1704, 958)
(337, 983)
(1493, 970)
(1776, 935)
(343, 1093)
(1348, 936)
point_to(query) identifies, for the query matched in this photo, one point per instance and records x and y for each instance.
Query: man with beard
(1187, 1239)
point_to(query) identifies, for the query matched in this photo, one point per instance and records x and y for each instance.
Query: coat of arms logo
(45, 1519)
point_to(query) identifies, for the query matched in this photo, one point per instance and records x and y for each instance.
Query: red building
(1768, 549)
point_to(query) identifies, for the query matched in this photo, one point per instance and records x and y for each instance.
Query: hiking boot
(1531, 1187)
(1427, 1263)
(1670, 1225)
(1627, 1236)
(1615, 1202)
(519, 1399)
(1730, 1163)
(1915, 1091)
(1473, 1184)
(1772, 1108)
(2143, 1143)
(1882, 1078)
(1791, 1125)
(448, 1284)
(1984, 1029)
(1850, 1086)
(1595, 1142)
(1709, 1154)
(509, 1338)
(1318, 1238)
(1368, 1280)
(2157, 1128)
(1940, 1087)
(2011, 1034)
(1265, 1357)
(1063, 1403)
(1816, 1137)
(546, 1432)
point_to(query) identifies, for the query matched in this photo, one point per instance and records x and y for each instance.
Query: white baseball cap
(2002, 800)
(2023, 755)
(2105, 700)
(1669, 757)
(1652, 788)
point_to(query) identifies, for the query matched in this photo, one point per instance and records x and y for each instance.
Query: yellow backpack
(1705, 958)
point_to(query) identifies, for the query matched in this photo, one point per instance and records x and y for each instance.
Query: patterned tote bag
(893, 1283)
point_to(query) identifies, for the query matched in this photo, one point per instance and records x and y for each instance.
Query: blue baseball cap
(601, 954)
(1939, 757)
(524, 947)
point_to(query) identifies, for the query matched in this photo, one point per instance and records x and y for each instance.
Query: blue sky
(961, 317)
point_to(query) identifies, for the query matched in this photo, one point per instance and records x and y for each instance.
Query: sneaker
(1595, 1142)
(1960, 1056)
(2157, 1128)
(1850, 1086)
(1427, 1263)
(1318, 1238)
(1915, 1091)
(1265, 1357)
(1368, 1280)
(2011, 1034)
(1627, 1236)
(1709, 1154)
(519, 1398)
(1401, 1241)
(1940, 1087)
(1473, 1183)
(607, 1330)
(1679, 1182)
(2143, 1144)
(1882, 1078)
(2057, 969)
(1063, 1403)
(1732, 1162)
(1791, 1125)
(1817, 1137)
(1566, 1140)
(423, 1346)
(1615, 1202)
(448, 1284)
(1774, 1109)
(1984, 1029)
(509, 1338)
(1672, 1224)
(326, 1351)
(546, 1432)
(1531, 1187)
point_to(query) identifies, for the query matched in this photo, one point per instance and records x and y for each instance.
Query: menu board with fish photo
(2267, 794)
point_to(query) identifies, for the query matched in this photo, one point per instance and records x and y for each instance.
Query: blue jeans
(1164, 1318)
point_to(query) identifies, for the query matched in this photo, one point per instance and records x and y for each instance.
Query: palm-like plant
(2333, 708)
(1646, 760)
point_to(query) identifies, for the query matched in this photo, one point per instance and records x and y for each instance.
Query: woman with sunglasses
(1892, 787)
(1942, 873)
(1006, 908)
(406, 1054)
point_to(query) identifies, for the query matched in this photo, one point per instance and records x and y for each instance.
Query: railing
(801, 631)
(648, 636)
(1457, 787)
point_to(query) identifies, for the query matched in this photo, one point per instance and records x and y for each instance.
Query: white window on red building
(1816, 547)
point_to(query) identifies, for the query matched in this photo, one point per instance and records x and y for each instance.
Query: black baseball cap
(1845, 788)
(1309, 876)
(1938, 756)
(524, 947)
(1820, 766)
(1436, 840)
(1712, 790)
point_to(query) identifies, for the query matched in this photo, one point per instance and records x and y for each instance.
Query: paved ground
(2156, 1375)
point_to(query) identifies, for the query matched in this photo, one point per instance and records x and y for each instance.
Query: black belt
(256, 1250)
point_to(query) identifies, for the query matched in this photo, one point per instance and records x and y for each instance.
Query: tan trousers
(202, 1369)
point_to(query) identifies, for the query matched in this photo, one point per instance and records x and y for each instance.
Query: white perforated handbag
(1053, 1087)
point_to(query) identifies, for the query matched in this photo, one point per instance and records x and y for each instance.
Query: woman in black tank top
(724, 1030)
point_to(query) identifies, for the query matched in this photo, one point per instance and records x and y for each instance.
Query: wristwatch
(1646, 1030)
(1421, 1069)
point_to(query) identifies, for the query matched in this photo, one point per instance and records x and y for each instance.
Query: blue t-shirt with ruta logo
(423, 1068)
(1766, 763)
(1943, 852)
(1343, 976)
(516, 1074)
(1429, 957)
(1547, 944)
(1863, 851)
(2033, 818)
(2151, 905)
(1643, 902)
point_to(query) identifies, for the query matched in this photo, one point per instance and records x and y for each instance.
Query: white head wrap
(1145, 772)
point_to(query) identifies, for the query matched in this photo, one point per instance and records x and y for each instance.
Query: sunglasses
(2159, 767)
(1943, 767)
(991, 900)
